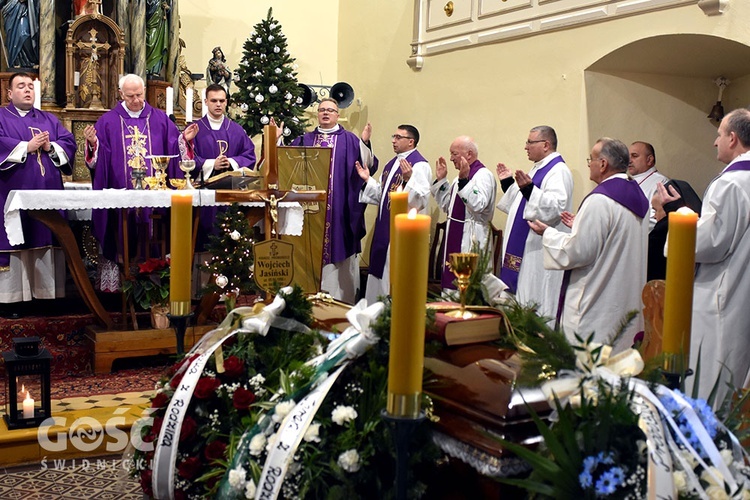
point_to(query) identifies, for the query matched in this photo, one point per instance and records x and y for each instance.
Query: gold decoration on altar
(462, 265)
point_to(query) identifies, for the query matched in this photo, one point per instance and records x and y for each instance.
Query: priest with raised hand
(35, 150)
(345, 215)
(123, 139)
(604, 255)
(408, 170)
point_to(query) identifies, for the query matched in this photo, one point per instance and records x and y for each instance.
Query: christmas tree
(267, 83)
(231, 249)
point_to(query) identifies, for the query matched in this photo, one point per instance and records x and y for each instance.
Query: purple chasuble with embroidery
(345, 215)
(454, 229)
(516, 244)
(230, 140)
(124, 142)
(381, 237)
(627, 193)
(37, 172)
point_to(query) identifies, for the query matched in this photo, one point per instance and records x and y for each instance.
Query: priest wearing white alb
(642, 168)
(408, 170)
(604, 256)
(544, 194)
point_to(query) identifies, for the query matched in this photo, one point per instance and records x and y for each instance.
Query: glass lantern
(27, 384)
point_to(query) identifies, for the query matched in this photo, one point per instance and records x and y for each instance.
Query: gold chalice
(160, 164)
(178, 183)
(152, 182)
(462, 264)
(187, 166)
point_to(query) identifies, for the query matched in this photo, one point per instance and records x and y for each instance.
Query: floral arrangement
(148, 283)
(345, 452)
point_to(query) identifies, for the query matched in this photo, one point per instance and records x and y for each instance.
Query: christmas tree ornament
(259, 98)
(273, 89)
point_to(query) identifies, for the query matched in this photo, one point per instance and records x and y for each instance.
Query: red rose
(146, 482)
(160, 400)
(206, 387)
(242, 398)
(189, 468)
(153, 433)
(179, 495)
(175, 382)
(230, 341)
(189, 427)
(233, 367)
(215, 450)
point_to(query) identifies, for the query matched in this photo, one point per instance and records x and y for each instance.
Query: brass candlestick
(462, 265)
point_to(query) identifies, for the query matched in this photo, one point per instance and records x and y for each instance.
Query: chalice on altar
(462, 264)
(159, 164)
(187, 166)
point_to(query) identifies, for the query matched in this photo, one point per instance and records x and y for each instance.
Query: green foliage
(148, 283)
(231, 249)
(267, 73)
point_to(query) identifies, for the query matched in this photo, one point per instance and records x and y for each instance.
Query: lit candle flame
(413, 213)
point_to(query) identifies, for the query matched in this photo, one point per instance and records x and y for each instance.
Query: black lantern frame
(27, 360)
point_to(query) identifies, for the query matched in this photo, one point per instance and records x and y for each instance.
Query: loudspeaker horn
(309, 95)
(343, 93)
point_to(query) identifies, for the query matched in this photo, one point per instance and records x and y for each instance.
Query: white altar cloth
(290, 213)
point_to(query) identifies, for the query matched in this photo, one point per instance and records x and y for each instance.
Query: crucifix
(90, 84)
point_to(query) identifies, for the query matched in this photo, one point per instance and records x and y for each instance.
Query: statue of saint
(157, 35)
(217, 71)
(21, 23)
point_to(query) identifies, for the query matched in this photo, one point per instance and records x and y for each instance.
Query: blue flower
(585, 479)
(606, 458)
(590, 463)
(607, 484)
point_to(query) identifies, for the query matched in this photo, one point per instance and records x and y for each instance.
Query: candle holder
(402, 429)
(462, 265)
(180, 322)
(674, 371)
(27, 370)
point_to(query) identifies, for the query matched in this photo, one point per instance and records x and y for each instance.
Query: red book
(484, 327)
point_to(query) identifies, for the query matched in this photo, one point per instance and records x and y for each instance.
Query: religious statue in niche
(90, 86)
(157, 36)
(81, 7)
(21, 23)
(186, 81)
(217, 71)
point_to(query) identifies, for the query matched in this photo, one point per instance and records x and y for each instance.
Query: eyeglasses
(327, 110)
(534, 142)
(589, 160)
(399, 137)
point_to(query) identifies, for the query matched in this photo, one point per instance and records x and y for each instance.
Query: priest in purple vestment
(123, 139)
(35, 150)
(345, 215)
(217, 144)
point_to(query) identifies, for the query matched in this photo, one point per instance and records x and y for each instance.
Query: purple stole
(454, 231)
(516, 244)
(382, 232)
(627, 193)
(740, 165)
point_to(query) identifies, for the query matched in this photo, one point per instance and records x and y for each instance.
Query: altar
(45, 205)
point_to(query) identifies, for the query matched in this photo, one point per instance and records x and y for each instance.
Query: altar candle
(76, 78)
(181, 253)
(409, 286)
(37, 93)
(678, 299)
(170, 101)
(28, 406)
(204, 104)
(188, 104)
(399, 205)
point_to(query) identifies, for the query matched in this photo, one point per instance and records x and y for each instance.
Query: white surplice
(418, 188)
(648, 181)
(555, 195)
(721, 324)
(606, 252)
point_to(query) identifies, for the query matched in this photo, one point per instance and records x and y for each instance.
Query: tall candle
(181, 253)
(204, 105)
(170, 101)
(188, 104)
(678, 299)
(409, 294)
(399, 205)
(37, 93)
(28, 406)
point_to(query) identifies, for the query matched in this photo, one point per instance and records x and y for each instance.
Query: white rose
(235, 235)
(283, 409)
(250, 489)
(349, 461)
(237, 478)
(312, 432)
(343, 414)
(257, 444)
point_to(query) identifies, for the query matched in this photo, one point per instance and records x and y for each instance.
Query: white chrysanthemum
(312, 433)
(222, 281)
(343, 414)
(259, 98)
(349, 461)
(257, 444)
(235, 235)
(250, 489)
(726, 456)
(237, 478)
(680, 481)
(283, 409)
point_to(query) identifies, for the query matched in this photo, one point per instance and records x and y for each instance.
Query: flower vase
(230, 300)
(159, 317)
